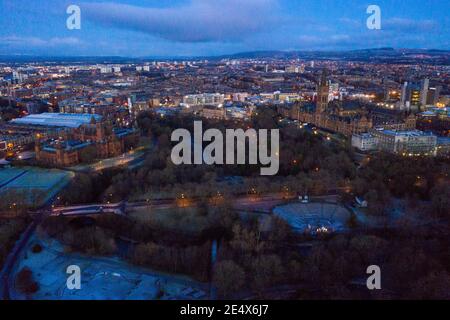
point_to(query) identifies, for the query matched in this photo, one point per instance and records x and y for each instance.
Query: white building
(211, 99)
(105, 69)
(407, 143)
(240, 96)
(295, 69)
(364, 142)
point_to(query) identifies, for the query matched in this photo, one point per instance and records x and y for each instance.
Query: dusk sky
(212, 27)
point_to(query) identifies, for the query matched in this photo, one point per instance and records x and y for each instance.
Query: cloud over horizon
(197, 21)
(39, 42)
(216, 27)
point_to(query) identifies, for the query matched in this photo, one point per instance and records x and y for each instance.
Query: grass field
(8, 174)
(29, 181)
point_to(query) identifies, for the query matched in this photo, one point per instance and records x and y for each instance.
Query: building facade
(338, 119)
(406, 143)
(97, 139)
(211, 99)
(364, 141)
(333, 120)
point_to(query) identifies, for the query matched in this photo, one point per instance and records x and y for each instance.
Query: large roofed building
(67, 120)
(89, 134)
(403, 142)
(406, 142)
(23, 131)
(347, 119)
(65, 139)
(436, 120)
(321, 115)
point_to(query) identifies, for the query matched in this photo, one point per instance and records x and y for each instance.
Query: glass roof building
(67, 120)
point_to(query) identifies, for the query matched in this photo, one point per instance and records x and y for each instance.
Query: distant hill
(380, 55)
(335, 54)
(386, 55)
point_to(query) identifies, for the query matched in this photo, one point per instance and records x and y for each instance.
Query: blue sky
(213, 27)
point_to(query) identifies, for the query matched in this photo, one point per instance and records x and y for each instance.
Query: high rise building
(403, 94)
(411, 94)
(433, 95)
(424, 85)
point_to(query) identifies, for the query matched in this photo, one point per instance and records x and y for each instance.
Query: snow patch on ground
(101, 278)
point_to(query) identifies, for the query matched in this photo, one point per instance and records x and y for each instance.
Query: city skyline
(206, 152)
(203, 28)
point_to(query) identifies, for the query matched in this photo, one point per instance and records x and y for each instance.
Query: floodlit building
(415, 94)
(97, 139)
(322, 116)
(23, 131)
(209, 112)
(76, 134)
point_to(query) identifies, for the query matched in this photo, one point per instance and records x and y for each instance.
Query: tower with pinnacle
(322, 93)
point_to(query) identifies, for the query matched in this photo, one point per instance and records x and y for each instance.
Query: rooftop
(68, 145)
(68, 120)
(409, 133)
(443, 140)
(364, 135)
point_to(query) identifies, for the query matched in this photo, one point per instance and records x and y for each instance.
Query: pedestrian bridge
(92, 209)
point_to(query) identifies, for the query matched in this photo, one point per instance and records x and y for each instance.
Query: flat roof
(443, 140)
(68, 120)
(409, 133)
(364, 135)
(67, 145)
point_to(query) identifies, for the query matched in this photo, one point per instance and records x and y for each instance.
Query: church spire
(322, 93)
(323, 77)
